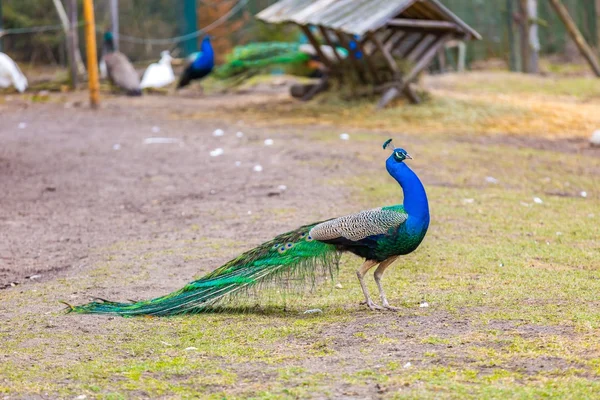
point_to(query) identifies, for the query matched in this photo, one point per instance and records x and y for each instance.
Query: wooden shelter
(389, 42)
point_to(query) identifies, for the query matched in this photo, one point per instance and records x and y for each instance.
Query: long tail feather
(292, 254)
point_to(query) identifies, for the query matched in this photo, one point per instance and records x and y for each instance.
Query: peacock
(200, 66)
(378, 235)
(256, 56)
(159, 74)
(11, 75)
(119, 69)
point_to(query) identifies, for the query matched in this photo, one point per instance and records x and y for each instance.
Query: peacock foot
(373, 306)
(387, 306)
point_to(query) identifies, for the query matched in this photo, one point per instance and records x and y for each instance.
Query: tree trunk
(73, 43)
(114, 22)
(0, 25)
(533, 38)
(598, 24)
(523, 37)
(578, 38)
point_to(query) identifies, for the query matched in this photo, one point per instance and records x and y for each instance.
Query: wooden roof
(359, 17)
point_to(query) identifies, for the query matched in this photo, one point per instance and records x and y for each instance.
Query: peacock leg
(367, 265)
(377, 275)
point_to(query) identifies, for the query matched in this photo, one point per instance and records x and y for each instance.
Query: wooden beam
(391, 43)
(422, 47)
(597, 23)
(416, 44)
(577, 37)
(388, 57)
(325, 35)
(315, 43)
(385, 40)
(426, 58)
(423, 24)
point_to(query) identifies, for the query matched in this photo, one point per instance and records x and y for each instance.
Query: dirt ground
(87, 209)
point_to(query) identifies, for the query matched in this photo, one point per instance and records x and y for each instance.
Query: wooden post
(92, 56)
(513, 63)
(73, 43)
(577, 37)
(523, 36)
(325, 35)
(388, 57)
(1, 25)
(114, 22)
(190, 25)
(533, 39)
(597, 23)
(313, 41)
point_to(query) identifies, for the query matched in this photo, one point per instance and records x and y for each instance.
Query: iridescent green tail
(292, 254)
(255, 56)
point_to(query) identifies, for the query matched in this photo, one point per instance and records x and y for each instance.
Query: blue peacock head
(205, 42)
(109, 43)
(398, 154)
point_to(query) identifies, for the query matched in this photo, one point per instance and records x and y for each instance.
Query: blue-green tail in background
(290, 255)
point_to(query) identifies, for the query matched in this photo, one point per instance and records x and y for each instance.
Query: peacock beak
(408, 156)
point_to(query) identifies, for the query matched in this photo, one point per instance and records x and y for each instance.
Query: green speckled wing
(355, 227)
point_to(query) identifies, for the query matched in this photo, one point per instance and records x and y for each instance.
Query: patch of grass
(460, 104)
(511, 283)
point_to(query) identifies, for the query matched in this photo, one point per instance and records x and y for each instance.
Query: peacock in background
(378, 235)
(201, 64)
(119, 69)
(254, 57)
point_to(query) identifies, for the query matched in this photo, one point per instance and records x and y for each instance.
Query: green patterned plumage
(290, 255)
(256, 56)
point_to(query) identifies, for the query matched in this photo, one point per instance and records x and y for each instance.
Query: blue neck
(206, 60)
(415, 198)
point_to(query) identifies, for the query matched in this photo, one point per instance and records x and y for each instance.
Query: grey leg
(378, 274)
(367, 265)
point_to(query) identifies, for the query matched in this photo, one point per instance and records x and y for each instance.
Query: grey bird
(119, 69)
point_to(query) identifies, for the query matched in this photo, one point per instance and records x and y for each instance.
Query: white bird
(159, 74)
(11, 75)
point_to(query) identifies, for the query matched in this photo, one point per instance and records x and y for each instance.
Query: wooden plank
(422, 24)
(388, 96)
(426, 58)
(410, 93)
(577, 37)
(316, 45)
(416, 44)
(325, 35)
(424, 44)
(387, 39)
(397, 38)
(386, 54)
